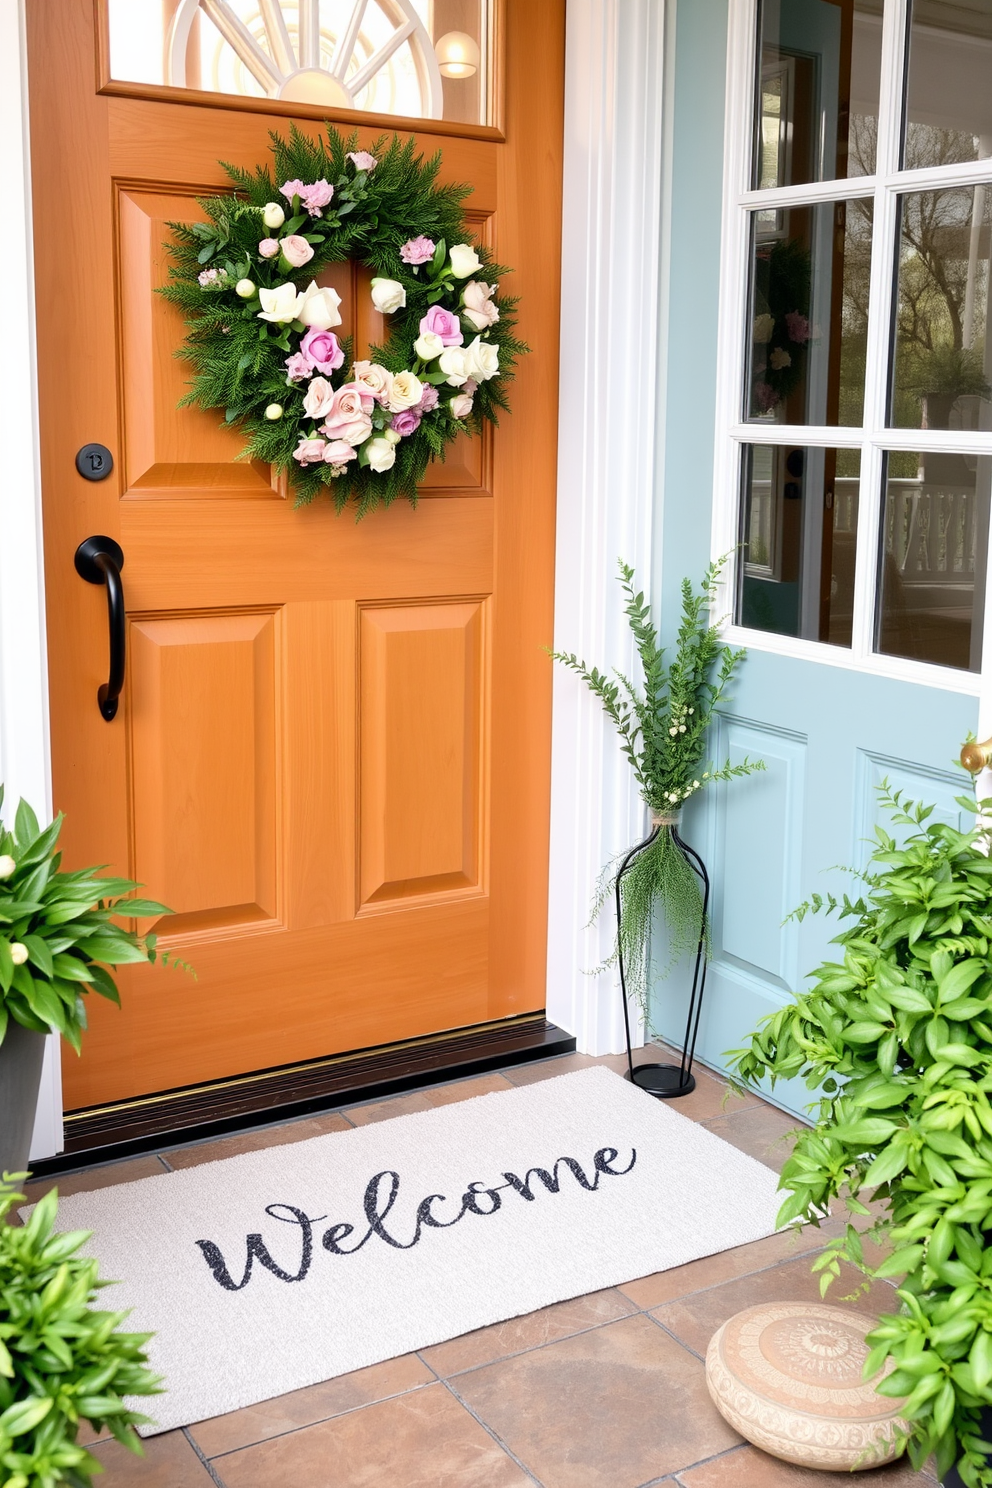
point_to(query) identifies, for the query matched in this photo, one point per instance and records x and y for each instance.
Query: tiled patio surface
(606, 1391)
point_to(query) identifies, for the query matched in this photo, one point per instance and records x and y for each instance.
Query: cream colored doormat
(263, 1273)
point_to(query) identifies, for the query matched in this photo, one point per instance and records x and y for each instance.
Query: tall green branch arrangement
(896, 1034)
(662, 725)
(62, 1362)
(59, 932)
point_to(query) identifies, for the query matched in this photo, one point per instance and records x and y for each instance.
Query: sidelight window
(854, 461)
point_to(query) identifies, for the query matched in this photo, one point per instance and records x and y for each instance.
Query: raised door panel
(202, 733)
(421, 753)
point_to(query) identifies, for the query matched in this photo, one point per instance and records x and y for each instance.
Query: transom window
(856, 458)
(420, 58)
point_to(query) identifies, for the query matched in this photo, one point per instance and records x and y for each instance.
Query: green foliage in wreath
(261, 330)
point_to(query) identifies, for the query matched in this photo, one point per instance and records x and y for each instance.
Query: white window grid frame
(874, 438)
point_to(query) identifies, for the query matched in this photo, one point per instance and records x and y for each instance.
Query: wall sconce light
(457, 54)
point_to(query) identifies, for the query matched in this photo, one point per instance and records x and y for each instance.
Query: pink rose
(268, 247)
(309, 451)
(461, 406)
(470, 386)
(373, 379)
(319, 398)
(442, 324)
(407, 422)
(765, 396)
(362, 160)
(478, 302)
(320, 349)
(338, 452)
(417, 250)
(298, 366)
(798, 327)
(428, 399)
(349, 414)
(296, 251)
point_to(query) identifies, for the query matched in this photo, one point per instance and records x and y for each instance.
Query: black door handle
(99, 560)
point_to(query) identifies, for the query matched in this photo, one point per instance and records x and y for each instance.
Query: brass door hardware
(975, 756)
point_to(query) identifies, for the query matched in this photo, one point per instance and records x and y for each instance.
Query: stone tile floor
(606, 1391)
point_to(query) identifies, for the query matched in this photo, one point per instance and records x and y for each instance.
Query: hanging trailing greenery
(261, 331)
(662, 728)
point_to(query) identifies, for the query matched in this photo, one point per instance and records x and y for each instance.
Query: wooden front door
(332, 754)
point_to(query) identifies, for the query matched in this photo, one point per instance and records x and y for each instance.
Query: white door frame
(612, 277)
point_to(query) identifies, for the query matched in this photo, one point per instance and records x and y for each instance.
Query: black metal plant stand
(666, 1081)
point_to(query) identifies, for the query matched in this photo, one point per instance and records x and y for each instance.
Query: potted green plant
(897, 1038)
(943, 375)
(663, 727)
(57, 937)
(61, 1361)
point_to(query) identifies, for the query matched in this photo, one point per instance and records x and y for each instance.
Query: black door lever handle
(99, 560)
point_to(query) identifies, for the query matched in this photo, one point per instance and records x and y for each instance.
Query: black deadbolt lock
(94, 462)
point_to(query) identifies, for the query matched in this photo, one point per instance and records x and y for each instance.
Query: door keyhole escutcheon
(99, 560)
(94, 462)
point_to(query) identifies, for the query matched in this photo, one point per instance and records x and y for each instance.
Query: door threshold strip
(169, 1118)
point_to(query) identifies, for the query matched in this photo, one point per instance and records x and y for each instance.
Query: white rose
(320, 307)
(382, 454)
(273, 216)
(376, 379)
(319, 398)
(762, 329)
(464, 260)
(7, 865)
(478, 304)
(280, 305)
(453, 364)
(407, 391)
(428, 346)
(388, 295)
(18, 953)
(481, 360)
(245, 289)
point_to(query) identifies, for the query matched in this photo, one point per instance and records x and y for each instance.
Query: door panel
(320, 718)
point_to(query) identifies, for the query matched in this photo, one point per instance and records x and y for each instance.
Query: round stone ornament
(787, 1376)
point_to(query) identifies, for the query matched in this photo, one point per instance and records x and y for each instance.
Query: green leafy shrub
(61, 1361)
(662, 730)
(57, 931)
(898, 1038)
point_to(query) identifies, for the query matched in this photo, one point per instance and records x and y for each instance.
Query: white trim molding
(24, 740)
(607, 466)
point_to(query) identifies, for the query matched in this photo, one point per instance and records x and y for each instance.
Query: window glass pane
(940, 367)
(816, 90)
(810, 269)
(949, 101)
(799, 520)
(295, 50)
(934, 536)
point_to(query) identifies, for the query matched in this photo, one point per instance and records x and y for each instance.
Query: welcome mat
(266, 1272)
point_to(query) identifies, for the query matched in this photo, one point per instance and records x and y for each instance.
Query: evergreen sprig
(238, 361)
(662, 727)
(58, 933)
(897, 1038)
(62, 1361)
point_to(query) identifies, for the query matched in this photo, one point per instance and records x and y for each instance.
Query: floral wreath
(261, 332)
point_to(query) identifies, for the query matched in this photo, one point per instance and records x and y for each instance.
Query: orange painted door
(332, 755)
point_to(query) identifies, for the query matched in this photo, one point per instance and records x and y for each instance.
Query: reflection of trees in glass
(854, 310)
(943, 287)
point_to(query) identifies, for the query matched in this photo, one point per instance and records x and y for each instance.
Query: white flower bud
(273, 216)
(391, 436)
(7, 865)
(273, 412)
(245, 288)
(18, 953)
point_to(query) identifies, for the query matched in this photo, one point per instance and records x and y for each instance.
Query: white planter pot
(21, 1056)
